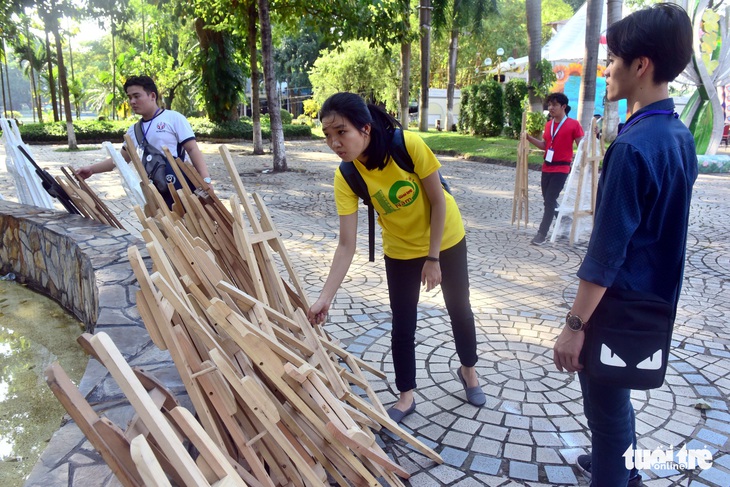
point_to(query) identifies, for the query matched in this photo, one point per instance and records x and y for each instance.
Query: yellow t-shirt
(404, 212)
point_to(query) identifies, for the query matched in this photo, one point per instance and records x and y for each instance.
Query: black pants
(552, 184)
(404, 287)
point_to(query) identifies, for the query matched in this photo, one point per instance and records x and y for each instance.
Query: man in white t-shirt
(161, 128)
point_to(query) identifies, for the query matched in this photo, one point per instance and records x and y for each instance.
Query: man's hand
(84, 172)
(567, 348)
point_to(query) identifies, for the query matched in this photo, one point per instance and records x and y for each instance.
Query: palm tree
(50, 18)
(425, 21)
(457, 16)
(610, 110)
(534, 35)
(31, 55)
(587, 96)
(405, 63)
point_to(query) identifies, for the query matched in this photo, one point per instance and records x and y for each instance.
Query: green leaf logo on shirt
(403, 193)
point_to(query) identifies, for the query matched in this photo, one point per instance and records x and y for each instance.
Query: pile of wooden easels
(85, 200)
(274, 396)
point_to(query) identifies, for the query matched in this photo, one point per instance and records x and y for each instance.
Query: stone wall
(78, 262)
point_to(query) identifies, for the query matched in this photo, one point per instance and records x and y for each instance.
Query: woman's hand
(431, 274)
(318, 312)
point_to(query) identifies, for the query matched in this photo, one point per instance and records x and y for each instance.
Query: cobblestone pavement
(532, 427)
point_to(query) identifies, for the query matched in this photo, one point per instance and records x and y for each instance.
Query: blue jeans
(404, 287)
(613, 429)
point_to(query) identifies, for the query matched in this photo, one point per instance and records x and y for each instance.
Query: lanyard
(554, 132)
(633, 120)
(144, 132)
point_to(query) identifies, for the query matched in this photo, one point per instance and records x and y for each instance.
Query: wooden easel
(272, 392)
(520, 197)
(589, 163)
(579, 196)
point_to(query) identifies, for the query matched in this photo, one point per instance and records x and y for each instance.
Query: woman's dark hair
(358, 113)
(663, 33)
(560, 99)
(145, 82)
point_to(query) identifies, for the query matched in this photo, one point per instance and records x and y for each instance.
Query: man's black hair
(145, 82)
(560, 99)
(663, 33)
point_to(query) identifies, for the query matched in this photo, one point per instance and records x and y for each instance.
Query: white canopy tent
(568, 44)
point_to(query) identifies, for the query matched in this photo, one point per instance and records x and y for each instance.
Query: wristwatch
(575, 322)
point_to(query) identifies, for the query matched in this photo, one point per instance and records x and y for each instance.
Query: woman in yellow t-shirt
(423, 237)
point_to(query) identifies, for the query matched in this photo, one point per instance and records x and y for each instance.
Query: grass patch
(80, 149)
(487, 149)
(500, 150)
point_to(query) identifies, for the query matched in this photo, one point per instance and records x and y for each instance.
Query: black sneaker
(583, 462)
(539, 239)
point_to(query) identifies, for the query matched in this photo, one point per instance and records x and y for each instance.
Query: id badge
(549, 155)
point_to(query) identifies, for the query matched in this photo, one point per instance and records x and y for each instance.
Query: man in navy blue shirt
(640, 230)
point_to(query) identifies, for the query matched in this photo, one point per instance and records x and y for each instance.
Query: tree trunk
(405, 69)
(35, 89)
(272, 95)
(451, 86)
(7, 77)
(64, 87)
(587, 97)
(51, 81)
(425, 18)
(405, 83)
(610, 108)
(114, 72)
(2, 88)
(534, 35)
(258, 144)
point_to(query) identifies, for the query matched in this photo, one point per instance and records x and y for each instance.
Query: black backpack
(158, 168)
(154, 161)
(400, 155)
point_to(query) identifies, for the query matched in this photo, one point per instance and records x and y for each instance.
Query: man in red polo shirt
(557, 141)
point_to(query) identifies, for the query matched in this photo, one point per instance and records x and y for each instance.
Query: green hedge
(101, 130)
(91, 130)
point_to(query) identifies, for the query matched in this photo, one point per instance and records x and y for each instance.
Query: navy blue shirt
(642, 208)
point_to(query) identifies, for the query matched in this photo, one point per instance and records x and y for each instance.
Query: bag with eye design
(627, 342)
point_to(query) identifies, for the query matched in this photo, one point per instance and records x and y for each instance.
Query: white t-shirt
(167, 128)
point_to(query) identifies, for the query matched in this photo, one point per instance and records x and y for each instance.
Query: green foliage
(482, 109)
(286, 117)
(514, 94)
(465, 118)
(304, 120)
(494, 97)
(101, 130)
(547, 79)
(311, 108)
(86, 131)
(499, 150)
(358, 68)
(222, 79)
(535, 123)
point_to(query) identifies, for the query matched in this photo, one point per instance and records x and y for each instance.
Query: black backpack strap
(360, 188)
(138, 132)
(400, 155)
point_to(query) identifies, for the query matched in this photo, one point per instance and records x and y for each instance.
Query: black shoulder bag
(628, 339)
